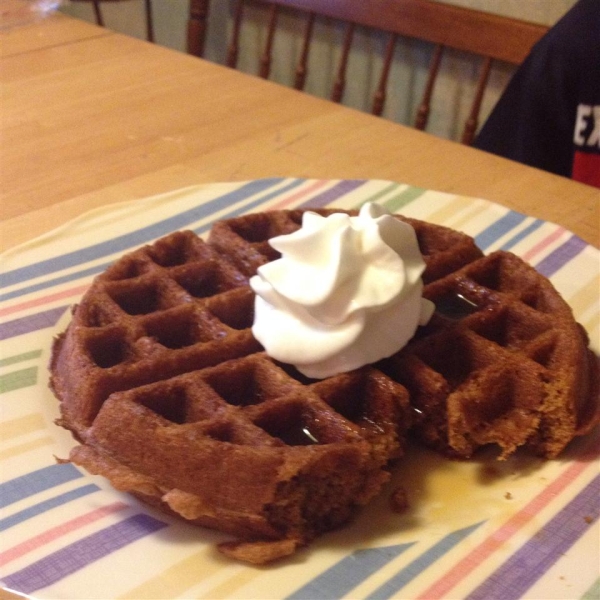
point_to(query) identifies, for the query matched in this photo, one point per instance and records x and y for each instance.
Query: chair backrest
(485, 35)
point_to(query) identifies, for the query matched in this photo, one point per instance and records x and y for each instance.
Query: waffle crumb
(399, 500)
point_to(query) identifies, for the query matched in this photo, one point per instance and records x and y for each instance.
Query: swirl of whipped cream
(346, 292)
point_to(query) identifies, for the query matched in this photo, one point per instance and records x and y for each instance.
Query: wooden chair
(485, 35)
(147, 12)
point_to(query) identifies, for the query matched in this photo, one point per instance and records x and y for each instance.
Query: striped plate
(476, 530)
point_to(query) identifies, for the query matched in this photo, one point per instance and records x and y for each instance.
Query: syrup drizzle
(297, 435)
(309, 435)
(455, 307)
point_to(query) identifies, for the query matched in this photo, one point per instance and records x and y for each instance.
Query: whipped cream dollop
(346, 292)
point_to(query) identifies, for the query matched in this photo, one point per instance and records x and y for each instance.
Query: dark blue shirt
(549, 114)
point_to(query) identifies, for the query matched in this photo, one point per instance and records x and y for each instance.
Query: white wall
(454, 88)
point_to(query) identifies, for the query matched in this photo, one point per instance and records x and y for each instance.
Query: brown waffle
(501, 362)
(173, 400)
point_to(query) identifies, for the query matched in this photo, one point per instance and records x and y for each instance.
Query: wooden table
(91, 117)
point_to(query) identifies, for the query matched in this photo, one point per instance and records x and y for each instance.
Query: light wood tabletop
(91, 117)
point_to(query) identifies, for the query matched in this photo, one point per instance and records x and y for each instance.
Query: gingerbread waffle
(172, 399)
(501, 362)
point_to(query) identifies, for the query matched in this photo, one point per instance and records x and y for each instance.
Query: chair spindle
(425, 106)
(148, 12)
(302, 68)
(234, 42)
(340, 81)
(98, 13)
(197, 26)
(149, 22)
(267, 56)
(381, 93)
(473, 120)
